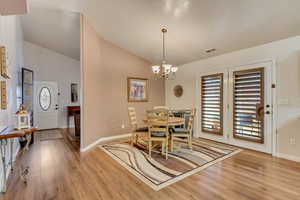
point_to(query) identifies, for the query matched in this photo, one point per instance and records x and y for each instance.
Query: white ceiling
(54, 29)
(194, 25)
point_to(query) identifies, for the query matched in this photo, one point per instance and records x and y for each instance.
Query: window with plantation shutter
(212, 104)
(248, 104)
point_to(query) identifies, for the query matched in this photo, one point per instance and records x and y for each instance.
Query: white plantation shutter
(212, 104)
(248, 104)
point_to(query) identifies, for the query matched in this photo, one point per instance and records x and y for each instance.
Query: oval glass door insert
(45, 98)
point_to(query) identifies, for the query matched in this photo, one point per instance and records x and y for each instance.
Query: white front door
(45, 105)
(235, 106)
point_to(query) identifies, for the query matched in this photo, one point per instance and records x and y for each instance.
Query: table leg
(24, 171)
(170, 140)
(3, 144)
(11, 153)
(68, 122)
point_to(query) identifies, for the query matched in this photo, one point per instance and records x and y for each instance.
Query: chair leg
(149, 147)
(136, 138)
(172, 143)
(190, 142)
(162, 148)
(166, 147)
(132, 139)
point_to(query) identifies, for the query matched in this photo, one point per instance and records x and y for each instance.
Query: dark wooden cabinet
(74, 111)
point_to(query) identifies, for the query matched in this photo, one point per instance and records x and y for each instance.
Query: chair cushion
(158, 134)
(142, 129)
(180, 130)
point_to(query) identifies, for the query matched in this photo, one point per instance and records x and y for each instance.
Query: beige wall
(105, 71)
(286, 53)
(13, 7)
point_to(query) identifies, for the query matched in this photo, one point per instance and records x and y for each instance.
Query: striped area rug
(157, 172)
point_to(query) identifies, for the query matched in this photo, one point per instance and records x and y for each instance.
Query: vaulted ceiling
(54, 29)
(194, 25)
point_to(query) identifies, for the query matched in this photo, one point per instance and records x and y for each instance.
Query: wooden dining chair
(136, 130)
(184, 133)
(158, 129)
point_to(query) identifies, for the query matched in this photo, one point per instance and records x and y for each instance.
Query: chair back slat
(161, 108)
(132, 117)
(158, 117)
(158, 121)
(158, 129)
(191, 120)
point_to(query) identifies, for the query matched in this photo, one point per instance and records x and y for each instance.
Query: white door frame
(273, 92)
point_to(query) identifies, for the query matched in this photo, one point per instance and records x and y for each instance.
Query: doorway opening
(53, 59)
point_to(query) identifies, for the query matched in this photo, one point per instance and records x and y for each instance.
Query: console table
(71, 113)
(7, 137)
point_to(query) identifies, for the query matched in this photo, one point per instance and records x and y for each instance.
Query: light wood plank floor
(59, 172)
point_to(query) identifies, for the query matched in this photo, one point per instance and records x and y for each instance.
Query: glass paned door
(248, 104)
(212, 103)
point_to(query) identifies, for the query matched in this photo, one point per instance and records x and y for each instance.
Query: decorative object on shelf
(178, 91)
(164, 70)
(137, 89)
(74, 92)
(3, 95)
(3, 62)
(23, 118)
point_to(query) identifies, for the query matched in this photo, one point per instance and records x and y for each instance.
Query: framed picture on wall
(74, 92)
(137, 89)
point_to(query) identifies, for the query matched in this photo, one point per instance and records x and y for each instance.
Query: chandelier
(164, 70)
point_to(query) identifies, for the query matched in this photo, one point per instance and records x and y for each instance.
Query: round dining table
(172, 121)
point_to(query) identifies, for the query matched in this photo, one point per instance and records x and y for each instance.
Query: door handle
(259, 112)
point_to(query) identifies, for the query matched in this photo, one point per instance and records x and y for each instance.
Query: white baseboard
(288, 157)
(104, 139)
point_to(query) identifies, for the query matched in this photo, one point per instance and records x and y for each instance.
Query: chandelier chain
(164, 46)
